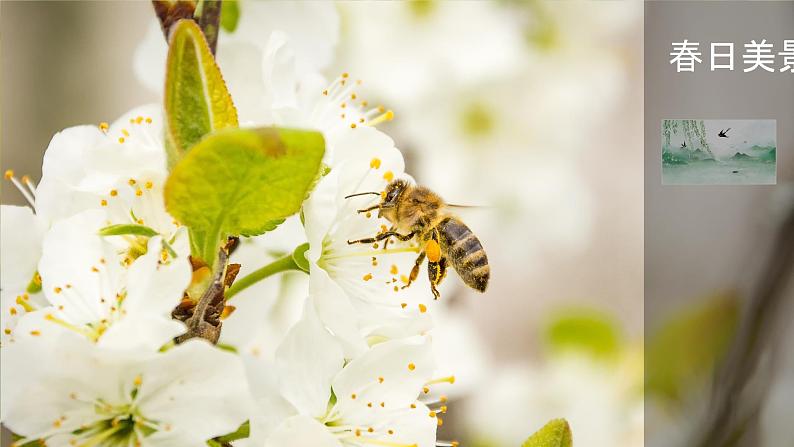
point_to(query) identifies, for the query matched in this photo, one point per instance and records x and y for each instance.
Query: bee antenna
(362, 194)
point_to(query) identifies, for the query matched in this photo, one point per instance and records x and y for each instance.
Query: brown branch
(743, 359)
(203, 317)
(209, 21)
(169, 12)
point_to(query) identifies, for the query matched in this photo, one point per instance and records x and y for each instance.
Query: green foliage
(196, 99)
(299, 256)
(586, 330)
(686, 348)
(242, 182)
(241, 433)
(230, 15)
(127, 229)
(557, 433)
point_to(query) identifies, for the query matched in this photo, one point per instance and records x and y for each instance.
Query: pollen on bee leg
(433, 251)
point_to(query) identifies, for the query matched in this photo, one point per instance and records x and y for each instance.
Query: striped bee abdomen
(465, 252)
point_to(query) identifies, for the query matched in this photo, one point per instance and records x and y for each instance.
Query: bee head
(393, 192)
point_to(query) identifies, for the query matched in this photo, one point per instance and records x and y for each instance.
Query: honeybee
(417, 213)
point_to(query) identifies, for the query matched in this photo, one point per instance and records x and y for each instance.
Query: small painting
(719, 152)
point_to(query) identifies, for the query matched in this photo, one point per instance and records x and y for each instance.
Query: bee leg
(386, 242)
(366, 210)
(415, 271)
(382, 236)
(436, 271)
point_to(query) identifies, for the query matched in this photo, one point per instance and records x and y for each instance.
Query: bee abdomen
(466, 253)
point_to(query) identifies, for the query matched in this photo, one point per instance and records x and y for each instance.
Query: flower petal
(301, 431)
(196, 389)
(307, 360)
(391, 372)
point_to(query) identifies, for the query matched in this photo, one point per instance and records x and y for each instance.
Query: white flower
(356, 288)
(75, 393)
(603, 406)
(411, 49)
(264, 312)
(119, 167)
(21, 233)
(371, 400)
(102, 295)
(313, 29)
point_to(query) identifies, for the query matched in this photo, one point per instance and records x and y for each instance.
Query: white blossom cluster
(341, 357)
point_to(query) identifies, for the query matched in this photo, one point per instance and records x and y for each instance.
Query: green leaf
(230, 15)
(685, 349)
(196, 99)
(299, 256)
(242, 182)
(586, 330)
(242, 432)
(124, 229)
(557, 433)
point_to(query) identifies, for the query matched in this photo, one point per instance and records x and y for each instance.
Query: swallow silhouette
(723, 133)
(683, 145)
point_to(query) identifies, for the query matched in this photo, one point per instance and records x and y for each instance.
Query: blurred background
(718, 259)
(531, 108)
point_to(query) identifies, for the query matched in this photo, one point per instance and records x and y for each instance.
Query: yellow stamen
(387, 116)
(103, 126)
(9, 174)
(374, 163)
(388, 176)
(448, 379)
(25, 305)
(411, 367)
